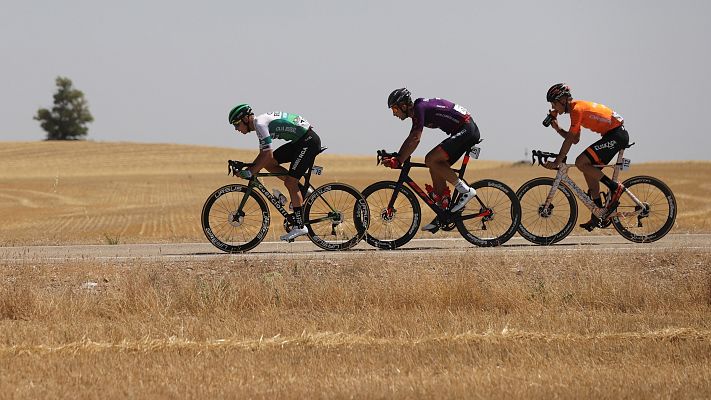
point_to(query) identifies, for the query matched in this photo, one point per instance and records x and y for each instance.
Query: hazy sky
(169, 71)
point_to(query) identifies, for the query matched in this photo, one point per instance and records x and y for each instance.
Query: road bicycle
(645, 213)
(235, 218)
(488, 220)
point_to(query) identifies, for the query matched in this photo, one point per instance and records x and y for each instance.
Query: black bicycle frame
(444, 215)
(255, 183)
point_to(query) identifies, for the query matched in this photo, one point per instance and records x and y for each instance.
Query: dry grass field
(586, 324)
(86, 192)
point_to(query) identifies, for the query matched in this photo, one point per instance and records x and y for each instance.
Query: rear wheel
(546, 225)
(492, 217)
(336, 216)
(232, 230)
(655, 219)
(391, 227)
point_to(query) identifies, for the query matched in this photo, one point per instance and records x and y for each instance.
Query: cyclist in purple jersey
(438, 114)
(451, 118)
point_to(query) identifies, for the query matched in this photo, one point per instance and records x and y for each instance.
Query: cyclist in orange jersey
(597, 118)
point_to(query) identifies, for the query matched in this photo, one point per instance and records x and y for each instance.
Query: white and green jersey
(279, 125)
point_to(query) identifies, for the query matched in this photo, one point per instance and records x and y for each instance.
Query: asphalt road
(305, 249)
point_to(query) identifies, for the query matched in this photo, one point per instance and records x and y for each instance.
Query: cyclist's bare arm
(409, 145)
(264, 158)
(569, 140)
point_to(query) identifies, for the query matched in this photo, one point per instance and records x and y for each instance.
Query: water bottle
(548, 120)
(279, 195)
(441, 200)
(446, 198)
(430, 191)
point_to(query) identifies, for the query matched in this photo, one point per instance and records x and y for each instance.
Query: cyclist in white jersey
(300, 150)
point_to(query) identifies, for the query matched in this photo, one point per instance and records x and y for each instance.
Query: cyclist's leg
(304, 155)
(440, 169)
(282, 155)
(455, 146)
(601, 153)
(306, 150)
(592, 175)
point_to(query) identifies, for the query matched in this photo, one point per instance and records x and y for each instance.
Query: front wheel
(492, 217)
(391, 227)
(546, 225)
(234, 221)
(652, 220)
(336, 216)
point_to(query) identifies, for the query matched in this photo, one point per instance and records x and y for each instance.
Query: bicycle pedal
(433, 230)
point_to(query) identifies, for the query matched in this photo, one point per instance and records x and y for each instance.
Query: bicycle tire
(336, 216)
(391, 229)
(540, 227)
(662, 205)
(491, 230)
(224, 229)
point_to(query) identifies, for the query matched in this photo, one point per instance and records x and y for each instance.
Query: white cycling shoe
(294, 233)
(464, 199)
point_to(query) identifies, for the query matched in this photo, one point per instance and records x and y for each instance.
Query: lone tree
(68, 118)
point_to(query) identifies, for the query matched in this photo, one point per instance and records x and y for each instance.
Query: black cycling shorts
(604, 150)
(301, 153)
(457, 144)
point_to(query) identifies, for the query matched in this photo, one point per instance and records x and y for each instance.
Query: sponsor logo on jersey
(284, 129)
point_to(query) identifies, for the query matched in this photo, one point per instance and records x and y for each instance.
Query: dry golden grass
(86, 192)
(588, 324)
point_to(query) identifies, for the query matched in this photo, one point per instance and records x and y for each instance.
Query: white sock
(461, 186)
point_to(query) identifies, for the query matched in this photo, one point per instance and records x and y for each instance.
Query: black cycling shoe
(592, 224)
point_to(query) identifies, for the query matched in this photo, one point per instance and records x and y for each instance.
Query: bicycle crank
(289, 223)
(448, 227)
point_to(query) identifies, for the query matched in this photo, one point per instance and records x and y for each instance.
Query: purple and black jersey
(439, 113)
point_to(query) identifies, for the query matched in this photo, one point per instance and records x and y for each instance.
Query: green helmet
(239, 112)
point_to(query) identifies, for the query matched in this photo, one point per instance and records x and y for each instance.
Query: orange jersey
(596, 117)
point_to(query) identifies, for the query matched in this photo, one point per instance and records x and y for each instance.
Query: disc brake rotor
(387, 215)
(235, 220)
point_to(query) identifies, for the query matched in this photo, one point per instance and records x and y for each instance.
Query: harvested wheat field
(588, 323)
(100, 193)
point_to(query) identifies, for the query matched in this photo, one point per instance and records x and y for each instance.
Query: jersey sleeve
(265, 139)
(418, 117)
(576, 119)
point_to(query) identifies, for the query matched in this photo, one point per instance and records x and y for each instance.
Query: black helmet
(239, 112)
(557, 91)
(399, 96)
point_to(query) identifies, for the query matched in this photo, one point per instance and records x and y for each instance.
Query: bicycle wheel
(551, 225)
(232, 231)
(502, 213)
(336, 216)
(391, 228)
(653, 221)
